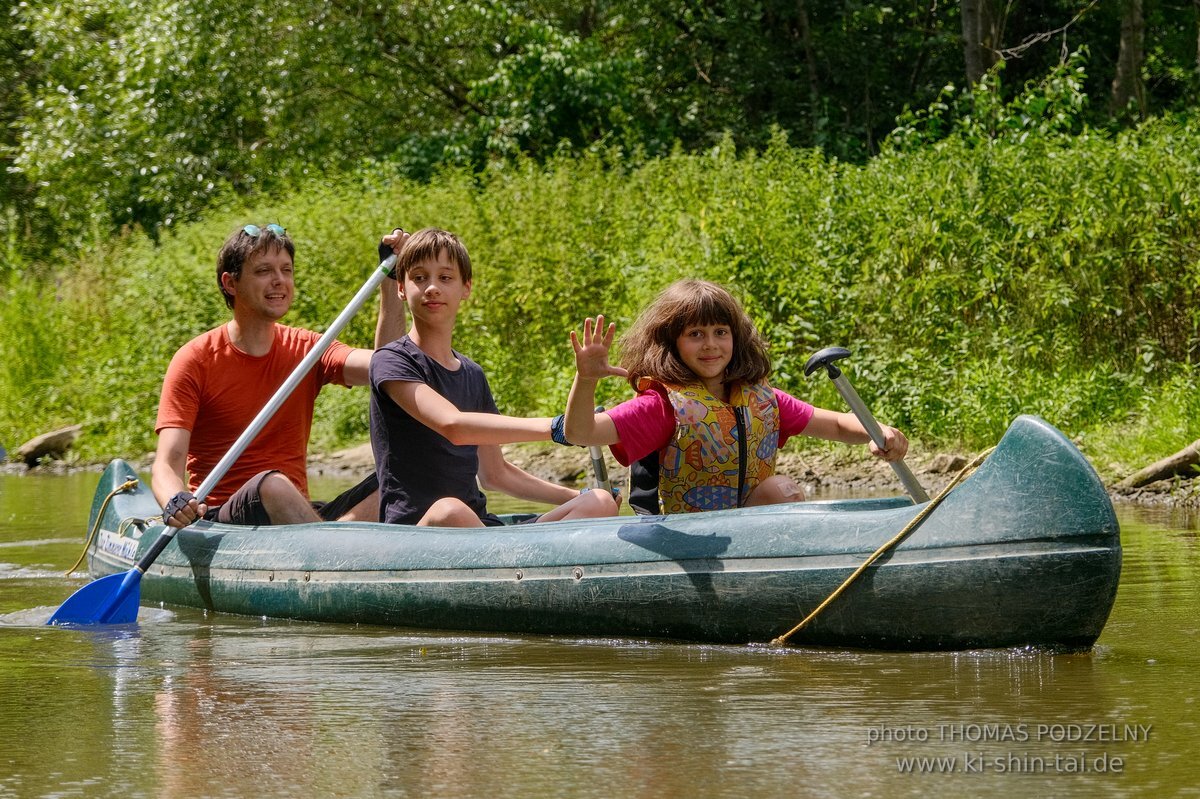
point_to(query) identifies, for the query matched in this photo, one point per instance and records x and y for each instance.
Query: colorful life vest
(721, 451)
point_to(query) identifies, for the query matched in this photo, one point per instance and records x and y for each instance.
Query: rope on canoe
(896, 539)
(123, 487)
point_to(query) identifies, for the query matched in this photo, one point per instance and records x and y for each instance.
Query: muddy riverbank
(820, 472)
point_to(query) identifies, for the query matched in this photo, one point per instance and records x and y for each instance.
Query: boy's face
(434, 289)
(265, 286)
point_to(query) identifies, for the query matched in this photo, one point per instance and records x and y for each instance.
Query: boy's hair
(241, 245)
(648, 348)
(426, 244)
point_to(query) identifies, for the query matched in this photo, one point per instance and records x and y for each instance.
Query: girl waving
(705, 427)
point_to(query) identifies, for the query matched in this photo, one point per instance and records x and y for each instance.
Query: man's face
(266, 285)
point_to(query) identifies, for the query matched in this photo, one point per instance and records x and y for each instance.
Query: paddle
(826, 358)
(114, 599)
(599, 467)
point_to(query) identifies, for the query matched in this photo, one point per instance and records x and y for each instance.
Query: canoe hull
(959, 603)
(1010, 558)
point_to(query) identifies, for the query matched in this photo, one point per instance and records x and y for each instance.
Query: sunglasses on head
(253, 230)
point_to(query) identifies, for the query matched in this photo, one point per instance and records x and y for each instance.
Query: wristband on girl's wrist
(558, 433)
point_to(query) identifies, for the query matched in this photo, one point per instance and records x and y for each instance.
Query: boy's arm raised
(461, 427)
(392, 319)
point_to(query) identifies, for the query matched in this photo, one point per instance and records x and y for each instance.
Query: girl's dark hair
(425, 244)
(648, 349)
(241, 245)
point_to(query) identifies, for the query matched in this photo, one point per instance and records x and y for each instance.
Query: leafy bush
(1047, 275)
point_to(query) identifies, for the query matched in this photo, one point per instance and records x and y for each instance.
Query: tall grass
(973, 283)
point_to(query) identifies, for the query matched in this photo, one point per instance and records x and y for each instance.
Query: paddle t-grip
(827, 358)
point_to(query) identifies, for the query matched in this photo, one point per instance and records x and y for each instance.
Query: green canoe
(1025, 551)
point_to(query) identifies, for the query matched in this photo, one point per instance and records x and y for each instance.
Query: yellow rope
(900, 536)
(127, 485)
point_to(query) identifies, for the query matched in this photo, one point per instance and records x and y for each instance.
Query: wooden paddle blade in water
(105, 601)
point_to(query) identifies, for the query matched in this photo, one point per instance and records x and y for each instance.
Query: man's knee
(284, 502)
(275, 487)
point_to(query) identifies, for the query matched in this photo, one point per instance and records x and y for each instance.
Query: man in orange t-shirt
(219, 381)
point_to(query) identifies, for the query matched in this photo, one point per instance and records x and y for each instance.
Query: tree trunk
(1180, 463)
(979, 38)
(804, 32)
(1127, 85)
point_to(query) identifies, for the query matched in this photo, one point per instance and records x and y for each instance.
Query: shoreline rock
(821, 473)
(831, 473)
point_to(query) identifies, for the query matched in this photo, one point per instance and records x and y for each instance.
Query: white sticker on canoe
(117, 545)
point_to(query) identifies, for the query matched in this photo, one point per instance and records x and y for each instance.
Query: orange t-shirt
(215, 390)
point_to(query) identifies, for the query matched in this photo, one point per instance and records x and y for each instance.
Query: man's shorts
(245, 505)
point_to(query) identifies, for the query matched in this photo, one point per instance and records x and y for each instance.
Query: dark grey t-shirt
(416, 465)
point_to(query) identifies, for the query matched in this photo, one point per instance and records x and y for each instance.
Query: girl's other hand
(895, 445)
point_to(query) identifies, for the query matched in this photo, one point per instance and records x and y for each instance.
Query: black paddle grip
(826, 358)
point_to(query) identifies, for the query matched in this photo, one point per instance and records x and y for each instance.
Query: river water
(190, 704)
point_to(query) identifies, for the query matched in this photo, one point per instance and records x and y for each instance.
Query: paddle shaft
(911, 484)
(98, 602)
(827, 359)
(599, 467)
(281, 395)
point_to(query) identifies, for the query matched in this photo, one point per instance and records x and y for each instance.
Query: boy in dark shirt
(435, 427)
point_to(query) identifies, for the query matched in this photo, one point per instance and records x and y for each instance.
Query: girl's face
(707, 351)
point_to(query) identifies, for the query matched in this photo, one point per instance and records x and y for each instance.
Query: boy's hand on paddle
(391, 244)
(591, 350)
(896, 445)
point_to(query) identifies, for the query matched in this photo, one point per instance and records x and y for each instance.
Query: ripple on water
(17, 571)
(37, 542)
(39, 616)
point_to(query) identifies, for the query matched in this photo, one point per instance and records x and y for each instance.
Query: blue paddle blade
(109, 600)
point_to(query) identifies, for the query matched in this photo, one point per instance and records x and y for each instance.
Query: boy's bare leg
(450, 512)
(593, 504)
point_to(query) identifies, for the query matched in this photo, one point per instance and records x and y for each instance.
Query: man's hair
(426, 244)
(648, 348)
(240, 246)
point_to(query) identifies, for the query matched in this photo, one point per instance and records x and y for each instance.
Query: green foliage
(145, 113)
(1050, 109)
(554, 90)
(973, 280)
(1155, 424)
(150, 111)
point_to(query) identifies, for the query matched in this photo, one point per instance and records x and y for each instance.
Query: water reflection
(187, 703)
(212, 702)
